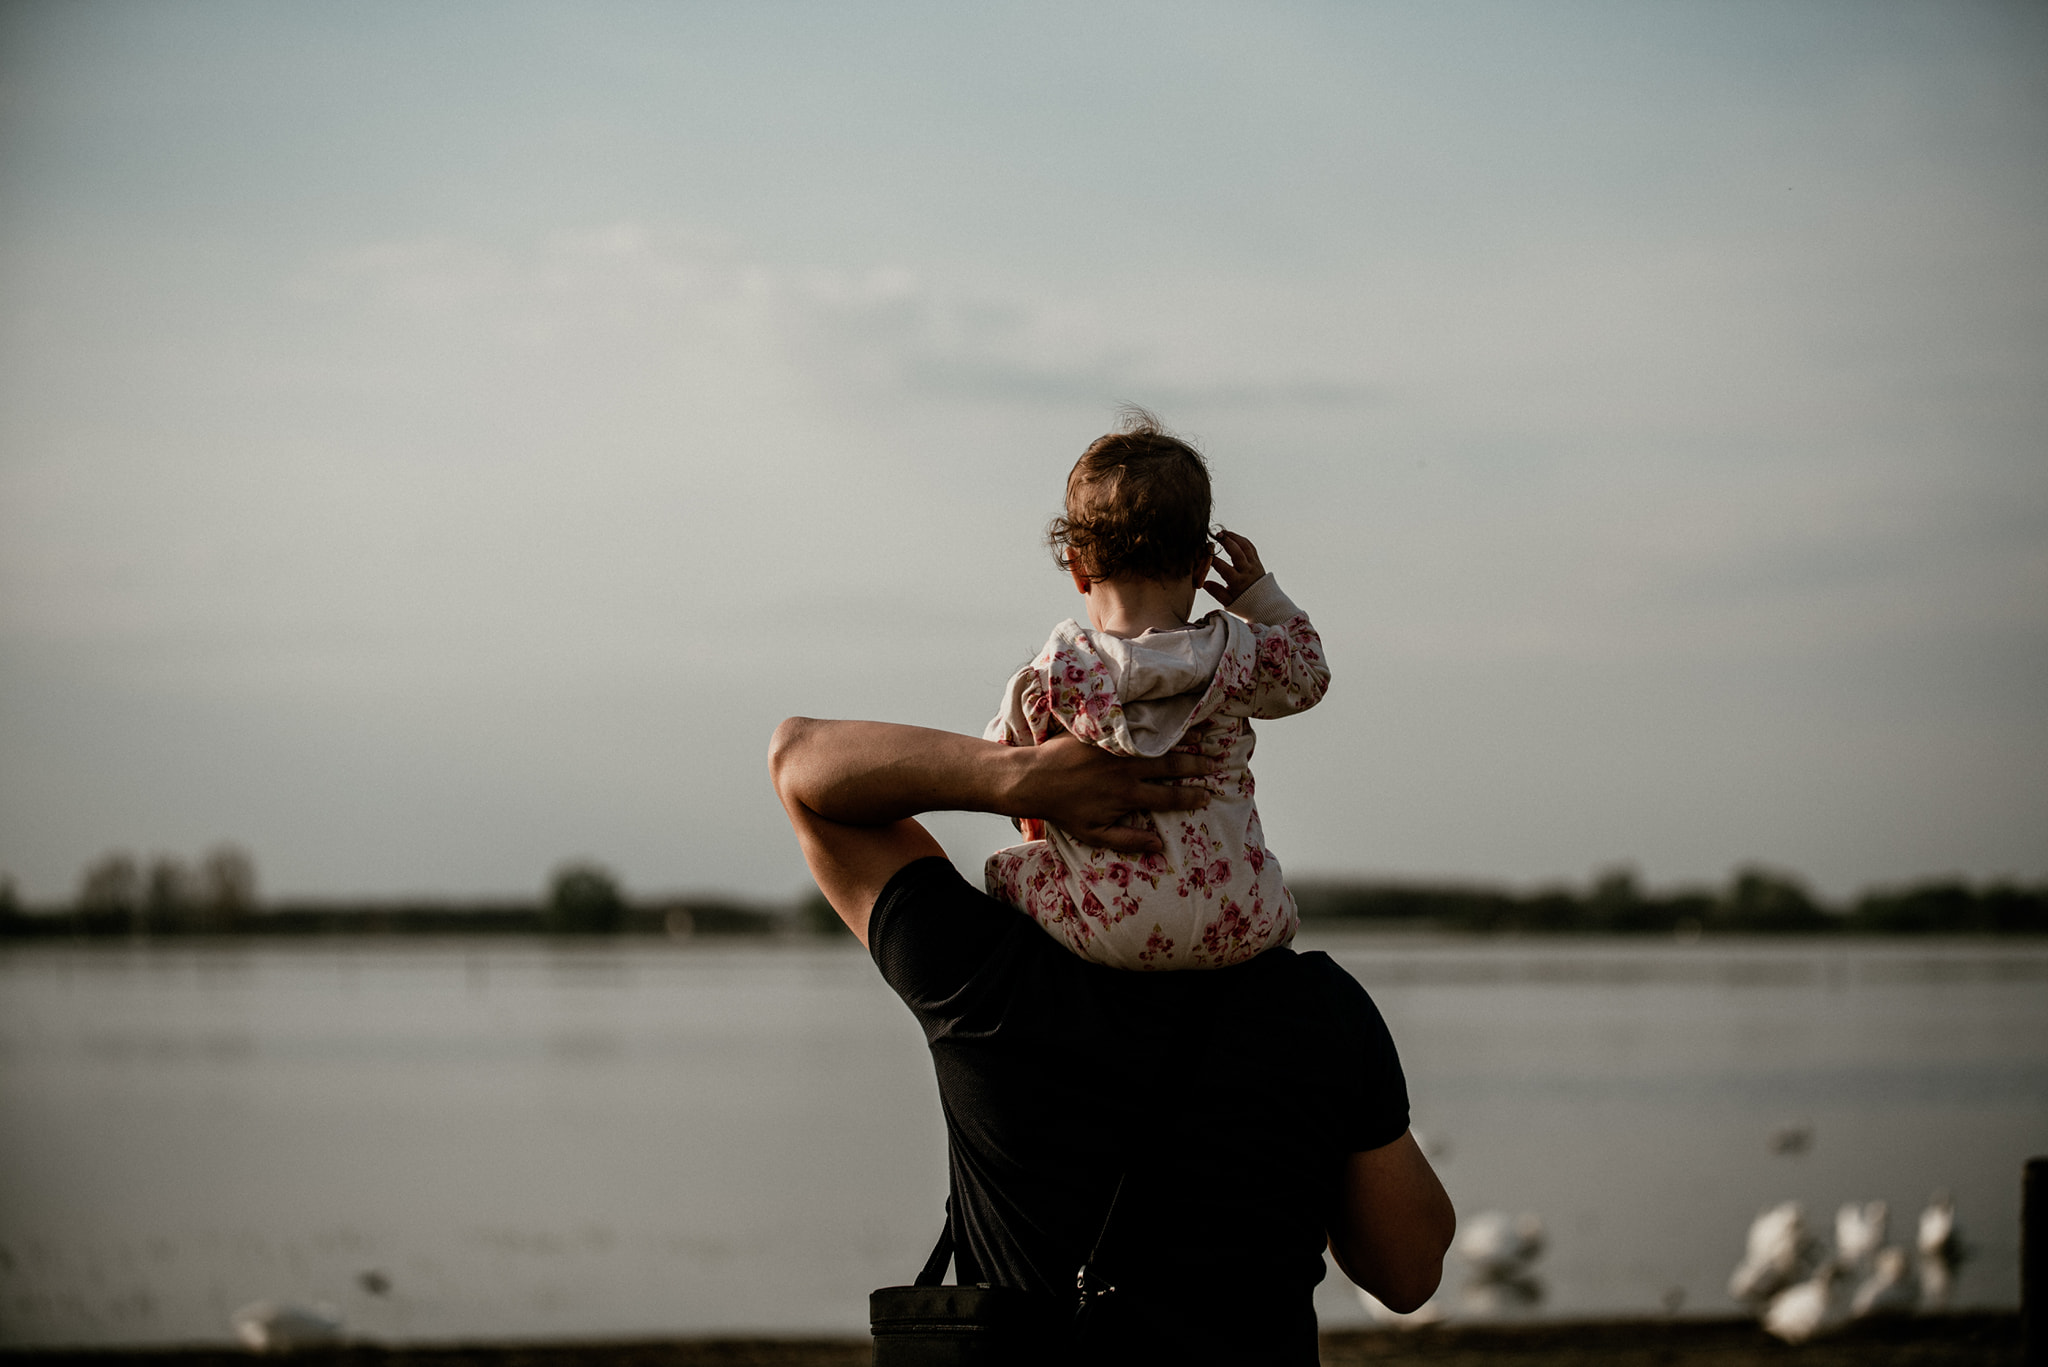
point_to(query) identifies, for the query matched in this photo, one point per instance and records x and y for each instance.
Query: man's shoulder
(1312, 984)
(951, 950)
(1325, 975)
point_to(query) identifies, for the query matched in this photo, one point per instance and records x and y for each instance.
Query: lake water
(527, 1140)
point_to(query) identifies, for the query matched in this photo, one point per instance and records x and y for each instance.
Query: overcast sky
(440, 441)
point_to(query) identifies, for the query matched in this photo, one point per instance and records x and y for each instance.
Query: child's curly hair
(1137, 505)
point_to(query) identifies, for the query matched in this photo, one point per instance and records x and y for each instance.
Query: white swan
(1502, 1251)
(1800, 1311)
(1886, 1291)
(1780, 1251)
(271, 1327)
(1500, 1246)
(1859, 1233)
(1940, 1250)
(1937, 1232)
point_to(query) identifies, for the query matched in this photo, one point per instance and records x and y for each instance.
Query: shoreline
(1980, 1339)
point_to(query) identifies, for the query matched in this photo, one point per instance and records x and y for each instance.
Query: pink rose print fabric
(1214, 896)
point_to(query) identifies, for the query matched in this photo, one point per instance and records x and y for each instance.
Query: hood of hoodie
(1161, 677)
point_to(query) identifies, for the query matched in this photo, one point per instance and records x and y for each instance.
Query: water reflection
(524, 1139)
(1760, 968)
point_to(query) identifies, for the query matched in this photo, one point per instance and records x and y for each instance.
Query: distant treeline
(120, 897)
(1755, 901)
(677, 918)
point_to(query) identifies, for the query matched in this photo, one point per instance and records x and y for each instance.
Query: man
(1239, 1119)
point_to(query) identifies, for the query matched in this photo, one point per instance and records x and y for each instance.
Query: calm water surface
(530, 1140)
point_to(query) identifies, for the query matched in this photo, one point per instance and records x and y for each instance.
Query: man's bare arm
(851, 788)
(1393, 1225)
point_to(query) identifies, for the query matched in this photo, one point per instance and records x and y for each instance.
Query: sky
(439, 442)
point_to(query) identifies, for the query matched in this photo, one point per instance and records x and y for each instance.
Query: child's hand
(1237, 573)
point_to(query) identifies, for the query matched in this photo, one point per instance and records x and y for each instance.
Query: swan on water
(1887, 1290)
(1796, 1306)
(1802, 1310)
(1859, 1232)
(1780, 1251)
(1940, 1250)
(1501, 1250)
(274, 1327)
(1501, 1246)
(1937, 1232)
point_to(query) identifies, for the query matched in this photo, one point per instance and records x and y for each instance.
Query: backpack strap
(1087, 1282)
(934, 1273)
(1089, 1285)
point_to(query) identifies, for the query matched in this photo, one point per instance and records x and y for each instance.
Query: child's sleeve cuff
(1263, 602)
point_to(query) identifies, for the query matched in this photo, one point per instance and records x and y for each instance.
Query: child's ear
(1202, 569)
(1080, 575)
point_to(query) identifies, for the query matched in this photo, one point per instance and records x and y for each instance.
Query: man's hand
(1237, 573)
(852, 789)
(1088, 792)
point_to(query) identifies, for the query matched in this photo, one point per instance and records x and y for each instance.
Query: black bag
(928, 1324)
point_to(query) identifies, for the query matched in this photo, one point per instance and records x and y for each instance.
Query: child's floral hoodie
(1213, 897)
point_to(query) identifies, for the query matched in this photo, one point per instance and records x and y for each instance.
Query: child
(1144, 681)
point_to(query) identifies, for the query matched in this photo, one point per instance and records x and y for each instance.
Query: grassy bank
(1975, 1340)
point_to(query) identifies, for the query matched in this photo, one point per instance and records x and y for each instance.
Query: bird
(1803, 1309)
(1940, 1249)
(1499, 1246)
(1779, 1252)
(274, 1327)
(1937, 1232)
(1859, 1233)
(1886, 1291)
(1793, 1139)
(1502, 1251)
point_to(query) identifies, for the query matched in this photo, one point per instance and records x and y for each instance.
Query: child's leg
(1033, 879)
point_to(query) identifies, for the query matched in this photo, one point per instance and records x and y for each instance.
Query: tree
(227, 887)
(584, 899)
(1762, 899)
(167, 892)
(110, 889)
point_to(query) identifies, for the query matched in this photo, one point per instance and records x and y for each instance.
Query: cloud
(881, 328)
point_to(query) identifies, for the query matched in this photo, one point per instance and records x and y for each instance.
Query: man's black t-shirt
(1230, 1097)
